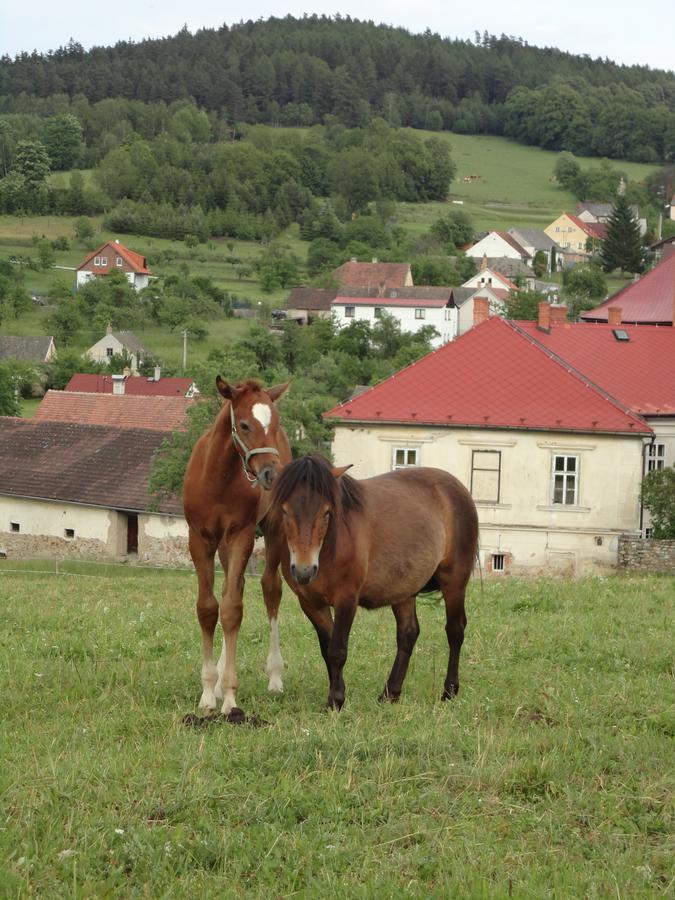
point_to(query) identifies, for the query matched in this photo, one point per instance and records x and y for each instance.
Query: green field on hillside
(550, 775)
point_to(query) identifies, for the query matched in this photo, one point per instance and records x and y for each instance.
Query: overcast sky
(621, 30)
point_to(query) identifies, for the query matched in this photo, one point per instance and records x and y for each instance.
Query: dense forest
(298, 71)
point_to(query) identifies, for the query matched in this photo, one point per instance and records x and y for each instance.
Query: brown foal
(225, 495)
(377, 542)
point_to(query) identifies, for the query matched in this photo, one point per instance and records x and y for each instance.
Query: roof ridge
(577, 373)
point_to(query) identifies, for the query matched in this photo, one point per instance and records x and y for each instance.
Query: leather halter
(245, 453)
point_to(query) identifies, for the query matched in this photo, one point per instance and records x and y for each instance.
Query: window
(109, 351)
(405, 457)
(15, 527)
(485, 475)
(97, 260)
(378, 312)
(497, 562)
(656, 457)
(419, 313)
(118, 261)
(69, 533)
(349, 312)
(648, 533)
(565, 480)
(104, 260)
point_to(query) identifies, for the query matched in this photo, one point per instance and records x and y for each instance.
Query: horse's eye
(326, 515)
(243, 425)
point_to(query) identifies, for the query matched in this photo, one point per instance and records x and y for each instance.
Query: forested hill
(296, 71)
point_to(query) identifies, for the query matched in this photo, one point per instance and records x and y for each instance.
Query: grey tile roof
(310, 298)
(32, 349)
(130, 342)
(536, 238)
(509, 267)
(95, 465)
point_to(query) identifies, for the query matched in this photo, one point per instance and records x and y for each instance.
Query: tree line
(294, 71)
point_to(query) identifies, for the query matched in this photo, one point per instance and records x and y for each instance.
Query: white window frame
(109, 352)
(409, 453)
(655, 458)
(567, 476)
(118, 261)
(104, 260)
(350, 312)
(97, 260)
(420, 313)
(377, 312)
(475, 458)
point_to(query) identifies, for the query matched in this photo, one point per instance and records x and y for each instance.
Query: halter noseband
(245, 453)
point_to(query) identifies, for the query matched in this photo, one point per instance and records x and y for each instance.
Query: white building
(413, 307)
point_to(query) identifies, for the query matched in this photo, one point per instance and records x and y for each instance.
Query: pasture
(550, 775)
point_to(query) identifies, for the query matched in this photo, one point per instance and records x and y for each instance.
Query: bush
(658, 496)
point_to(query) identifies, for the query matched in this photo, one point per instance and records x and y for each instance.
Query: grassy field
(514, 184)
(551, 775)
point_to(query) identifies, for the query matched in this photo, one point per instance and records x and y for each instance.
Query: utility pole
(185, 334)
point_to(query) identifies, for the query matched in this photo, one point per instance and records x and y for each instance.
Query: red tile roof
(136, 261)
(137, 385)
(494, 376)
(362, 274)
(90, 464)
(640, 372)
(648, 301)
(157, 413)
(592, 229)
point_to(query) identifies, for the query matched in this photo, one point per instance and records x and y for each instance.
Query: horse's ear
(224, 388)
(278, 391)
(339, 471)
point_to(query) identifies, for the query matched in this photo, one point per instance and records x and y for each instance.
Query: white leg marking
(209, 678)
(229, 702)
(274, 667)
(263, 413)
(221, 671)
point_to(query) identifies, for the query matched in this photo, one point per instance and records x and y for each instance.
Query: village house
(73, 490)
(160, 413)
(28, 349)
(115, 257)
(133, 384)
(306, 303)
(600, 212)
(648, 301)
(490, 276)
(499, 243)
(413, 307)
(115, 343)
(534, 240)
(553, 460)
(578, 239)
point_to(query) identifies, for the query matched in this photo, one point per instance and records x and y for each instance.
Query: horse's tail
(480, 568)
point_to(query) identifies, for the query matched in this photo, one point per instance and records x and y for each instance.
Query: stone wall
(638, 555)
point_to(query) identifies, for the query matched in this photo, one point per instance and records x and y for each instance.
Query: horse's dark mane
(315, 473)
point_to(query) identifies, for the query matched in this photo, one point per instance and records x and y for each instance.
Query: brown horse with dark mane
(371, 543)
(225, 495)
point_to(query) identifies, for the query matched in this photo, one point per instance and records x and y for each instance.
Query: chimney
(544, 320)
(558, 314)
(484, 262)
(118, 384)
(158, 373)
(374, 259)
(614, 315)
(380, 289)
(108, 329)
(481, 310)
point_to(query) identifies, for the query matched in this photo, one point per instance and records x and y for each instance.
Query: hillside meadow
(551, 775)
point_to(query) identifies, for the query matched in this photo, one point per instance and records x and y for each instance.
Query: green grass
(514, 186)
(551, 775)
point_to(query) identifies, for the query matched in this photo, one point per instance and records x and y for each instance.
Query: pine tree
(622, 248)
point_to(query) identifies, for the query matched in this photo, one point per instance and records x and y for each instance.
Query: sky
(621, 30)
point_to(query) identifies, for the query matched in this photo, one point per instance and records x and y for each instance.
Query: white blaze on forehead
(263, 413)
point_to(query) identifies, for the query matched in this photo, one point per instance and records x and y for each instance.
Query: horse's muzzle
(266, 476)
(304, 574)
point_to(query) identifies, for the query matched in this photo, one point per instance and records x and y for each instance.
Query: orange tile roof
(137, 262)
(362, 274)
(118, 410)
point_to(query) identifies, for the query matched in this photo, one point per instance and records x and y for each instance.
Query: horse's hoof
(335, 703)
(386, 697)
(276, 685)
(450, 693)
